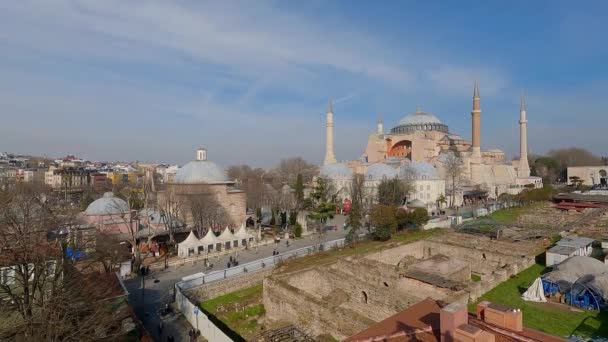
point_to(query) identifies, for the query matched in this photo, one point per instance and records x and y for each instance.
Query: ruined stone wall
(219, 288)
(285, 303)
(392, 256)
(481, 261)
(423, 290)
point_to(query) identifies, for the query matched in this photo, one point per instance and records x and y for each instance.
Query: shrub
(297, 231)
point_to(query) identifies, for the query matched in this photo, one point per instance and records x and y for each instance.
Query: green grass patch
(510, 215)
(555, 319)
(240, 310)
(475, 277)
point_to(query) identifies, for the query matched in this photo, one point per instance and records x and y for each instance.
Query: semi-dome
(418, 170)
(380, 171)
(107, 205)
(336, 171)
(200, 171)
(419, 121)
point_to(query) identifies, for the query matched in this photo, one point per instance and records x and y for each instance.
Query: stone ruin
(347, 296)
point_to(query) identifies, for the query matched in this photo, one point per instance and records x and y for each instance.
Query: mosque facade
(418, 148)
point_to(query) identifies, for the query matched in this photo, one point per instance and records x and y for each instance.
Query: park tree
(419, 217)
(393, 191)
(453, 169)
(384, 221)
(251, 181)
(299, 190)
(172, 212)
(357, 209)
(576, 181)
(573, 156)
(289, 168)
(323, 191)
(545, 167)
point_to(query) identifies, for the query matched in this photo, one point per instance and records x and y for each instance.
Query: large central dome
(200, 171)
(420, 121)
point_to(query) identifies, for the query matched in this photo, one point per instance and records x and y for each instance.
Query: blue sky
(250, 80)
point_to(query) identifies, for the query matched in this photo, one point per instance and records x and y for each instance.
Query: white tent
(188, 246)
(227, 238)
(210, 240)
(243, 236)
(535, 293)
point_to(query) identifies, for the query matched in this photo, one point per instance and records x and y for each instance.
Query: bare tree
(453, 169)
(172, 212)
(127, 217)
(207, 213)
(44, 296)
(251, 181)
(289, 168)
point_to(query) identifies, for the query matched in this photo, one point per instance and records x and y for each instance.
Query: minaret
(379, 129)
(476, 123)
(330, 157)
(523, 170)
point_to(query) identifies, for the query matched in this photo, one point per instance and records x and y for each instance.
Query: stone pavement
(159, 284)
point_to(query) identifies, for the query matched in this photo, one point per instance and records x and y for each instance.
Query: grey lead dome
(420, 121)
(200, 171)
(107, 205)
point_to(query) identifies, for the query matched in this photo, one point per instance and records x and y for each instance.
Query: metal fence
(260, 264)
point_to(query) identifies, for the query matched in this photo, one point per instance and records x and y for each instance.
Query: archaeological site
(348, 295)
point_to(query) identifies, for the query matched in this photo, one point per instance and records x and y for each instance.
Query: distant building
(421, 137)
(590, 175)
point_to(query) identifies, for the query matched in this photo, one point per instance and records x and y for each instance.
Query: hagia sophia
(417, 149)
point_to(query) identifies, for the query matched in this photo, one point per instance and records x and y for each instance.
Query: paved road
(159, 284)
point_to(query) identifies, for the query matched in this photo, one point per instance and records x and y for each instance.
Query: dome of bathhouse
(418, 170)
(420, 121)
(380, 171)
(107, 205)
(336, 171)
(416, 204)
(200, 171)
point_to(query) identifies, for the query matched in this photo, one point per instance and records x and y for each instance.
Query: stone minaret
(379, 129)
(330, 157)
(476, 121)
(523, 170)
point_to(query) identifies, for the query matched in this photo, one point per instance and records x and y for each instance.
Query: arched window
(364, 297)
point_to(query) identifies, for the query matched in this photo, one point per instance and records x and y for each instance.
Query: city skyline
(152, 81)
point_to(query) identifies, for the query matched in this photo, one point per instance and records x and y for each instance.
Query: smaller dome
(336, 171)
(416, 203)
(418, 170)
(380, 171)
(107, 205)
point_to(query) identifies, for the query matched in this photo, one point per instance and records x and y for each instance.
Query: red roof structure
(429, 320)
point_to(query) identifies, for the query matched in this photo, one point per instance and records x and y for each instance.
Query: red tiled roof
(419, 322)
